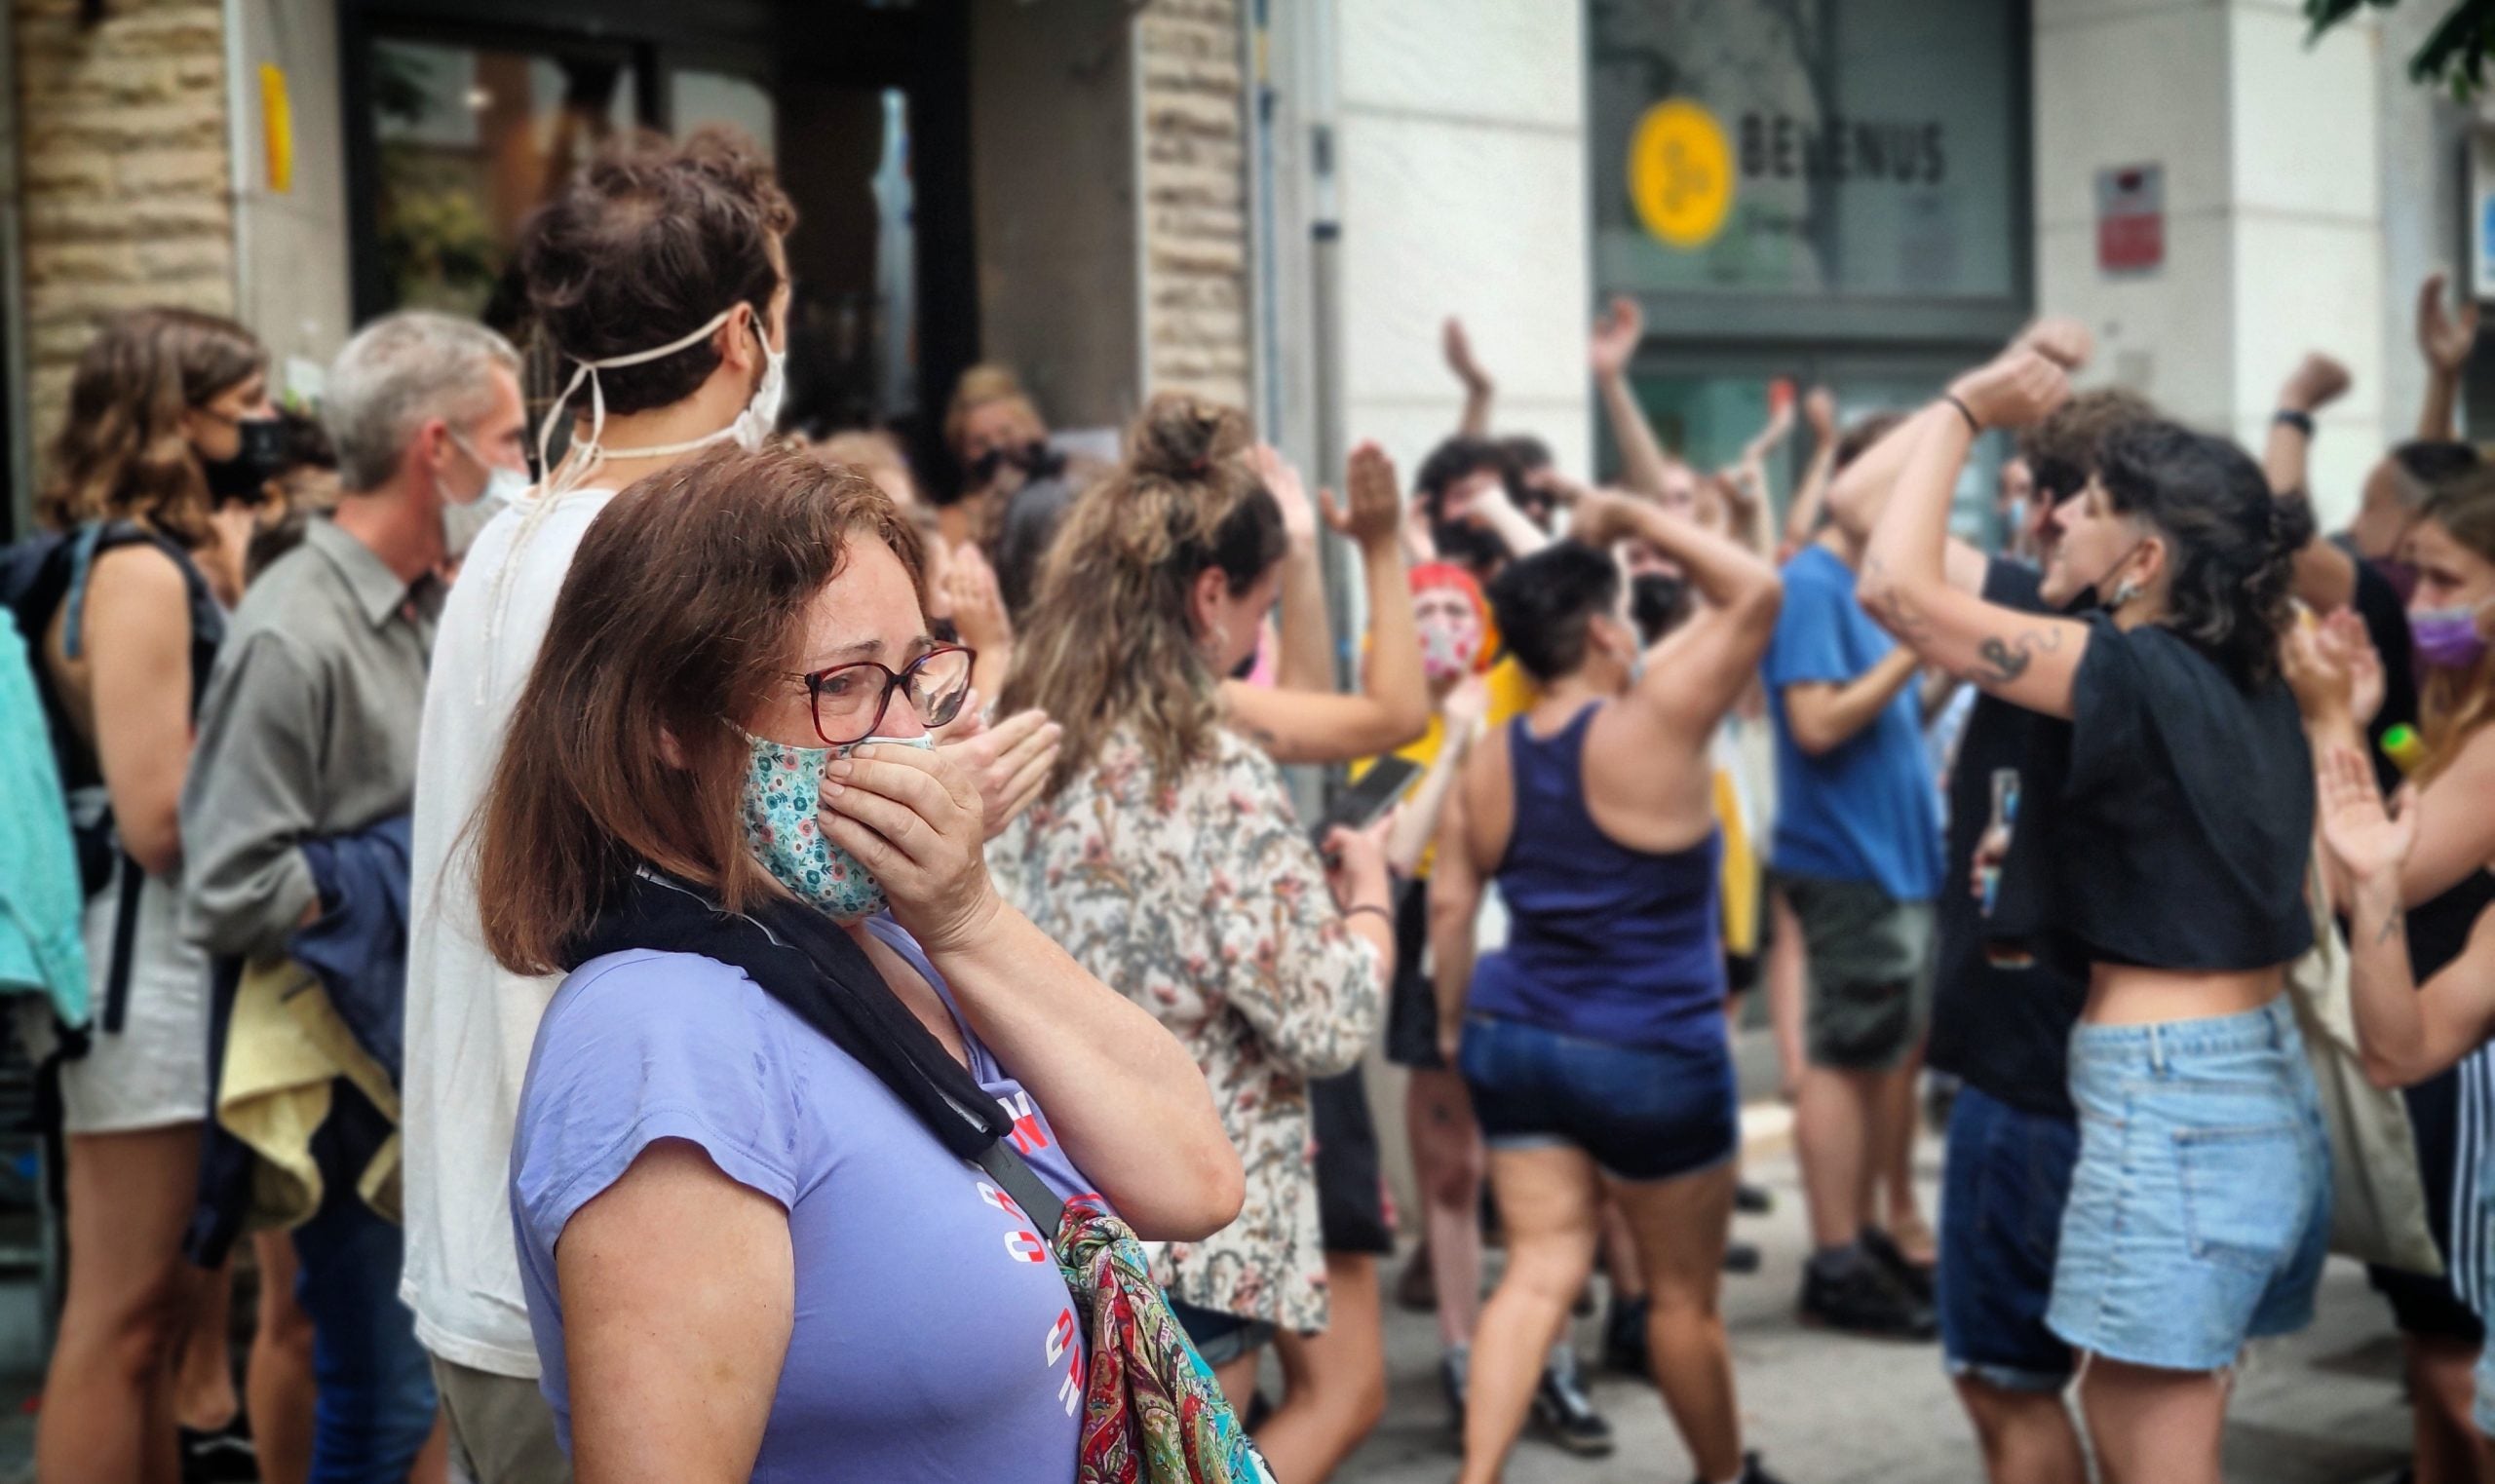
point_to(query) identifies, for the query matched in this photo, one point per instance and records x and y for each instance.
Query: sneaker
(222, 1457)
(1754, 1472)
(1623, 1339)
(1417, 1290)
(1741, 1258)
(1865, 1300)
(1913, 1277)
(1455, 1368)
(1753, 1200)
(1566, 1414)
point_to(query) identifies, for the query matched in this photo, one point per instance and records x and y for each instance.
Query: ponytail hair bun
(1184, 441)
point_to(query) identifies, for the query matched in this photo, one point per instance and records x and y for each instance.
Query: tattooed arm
(2026, 659)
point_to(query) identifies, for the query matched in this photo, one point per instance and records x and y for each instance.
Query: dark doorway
(460, 123)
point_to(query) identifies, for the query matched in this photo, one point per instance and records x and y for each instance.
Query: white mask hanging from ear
(750, 429)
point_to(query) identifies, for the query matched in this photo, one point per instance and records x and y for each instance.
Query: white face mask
(760, 418)
(751, 427)
(461, 524)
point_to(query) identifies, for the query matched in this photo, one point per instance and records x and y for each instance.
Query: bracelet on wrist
(2290, 417)
(1357, 908)
(1973, 423)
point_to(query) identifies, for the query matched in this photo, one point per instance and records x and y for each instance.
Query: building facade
(1280, 202)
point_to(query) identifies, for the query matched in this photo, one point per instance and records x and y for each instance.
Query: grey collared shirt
(308, 728)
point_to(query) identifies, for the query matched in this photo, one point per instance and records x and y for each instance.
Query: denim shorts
(2199, 1212)
(1221, 1338)
(2003, 1185)
(1644, 1113)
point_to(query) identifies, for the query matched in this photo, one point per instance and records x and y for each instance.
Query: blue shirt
(934, 1340)
(1865, 810)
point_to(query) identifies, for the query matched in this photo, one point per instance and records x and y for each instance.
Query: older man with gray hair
(295, 820)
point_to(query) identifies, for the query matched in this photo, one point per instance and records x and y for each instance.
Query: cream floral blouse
(1205, 903)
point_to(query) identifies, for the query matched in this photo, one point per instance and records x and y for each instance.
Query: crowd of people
(640, 923)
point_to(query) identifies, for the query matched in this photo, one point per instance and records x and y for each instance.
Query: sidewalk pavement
(2324, 1407)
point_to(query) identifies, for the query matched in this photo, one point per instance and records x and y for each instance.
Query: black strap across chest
(803, 960)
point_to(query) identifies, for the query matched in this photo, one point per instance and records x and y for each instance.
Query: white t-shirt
(470, 1023)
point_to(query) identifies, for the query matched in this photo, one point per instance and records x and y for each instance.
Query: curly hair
(1111, 640)
(121, 453)
(2061, 450)
(2454, 703)
(647, 243)
(2228, 555)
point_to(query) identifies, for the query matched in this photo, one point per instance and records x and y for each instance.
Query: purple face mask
(2447, 638)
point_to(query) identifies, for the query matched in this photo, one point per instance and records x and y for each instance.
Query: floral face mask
(783, 795)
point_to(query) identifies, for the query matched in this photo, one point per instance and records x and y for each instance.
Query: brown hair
(646, 245)
(1111, 640)
(2452, 704)
(2062, 451)
(982, 384)
(121, 453)
(1856, 441)
(681, 612)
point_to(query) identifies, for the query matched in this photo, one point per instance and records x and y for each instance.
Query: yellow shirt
(1511, 693)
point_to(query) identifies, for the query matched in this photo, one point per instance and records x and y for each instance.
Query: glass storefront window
(1863, 150)
(1708, 419)
(740, 103)
(471, 139)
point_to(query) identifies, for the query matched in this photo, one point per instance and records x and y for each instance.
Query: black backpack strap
(116, 1009)
(1016, 1178)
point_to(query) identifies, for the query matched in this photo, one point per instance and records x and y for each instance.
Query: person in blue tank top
(1594, 1044)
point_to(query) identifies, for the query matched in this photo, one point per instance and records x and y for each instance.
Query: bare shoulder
(140, 571)
(1647, 763)
(132, 592)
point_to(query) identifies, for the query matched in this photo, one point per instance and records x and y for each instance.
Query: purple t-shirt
(934, 1339)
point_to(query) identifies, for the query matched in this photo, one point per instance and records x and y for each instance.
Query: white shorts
(154, 1073)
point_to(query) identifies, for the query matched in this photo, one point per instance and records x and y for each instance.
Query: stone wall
(1195, 221)
(127, 179)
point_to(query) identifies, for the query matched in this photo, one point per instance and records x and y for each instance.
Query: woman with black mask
(133, 613)
(2198, 1208)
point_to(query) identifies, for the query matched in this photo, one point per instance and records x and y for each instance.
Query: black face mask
(259, 458)
(1036, 459)
(1657, 603)
(2087, 600)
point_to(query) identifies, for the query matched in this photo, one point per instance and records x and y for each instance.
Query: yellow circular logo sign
(1680, 172)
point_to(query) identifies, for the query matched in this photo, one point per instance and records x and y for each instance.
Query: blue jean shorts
(1643, 1113)
(2002, 1186)
(1221, 1338)
(2199, 1212)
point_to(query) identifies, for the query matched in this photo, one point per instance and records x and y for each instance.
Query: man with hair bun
(658, 275)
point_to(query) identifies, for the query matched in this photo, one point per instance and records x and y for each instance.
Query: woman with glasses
(1165, 854)
(744, 1253)
(131, 611)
